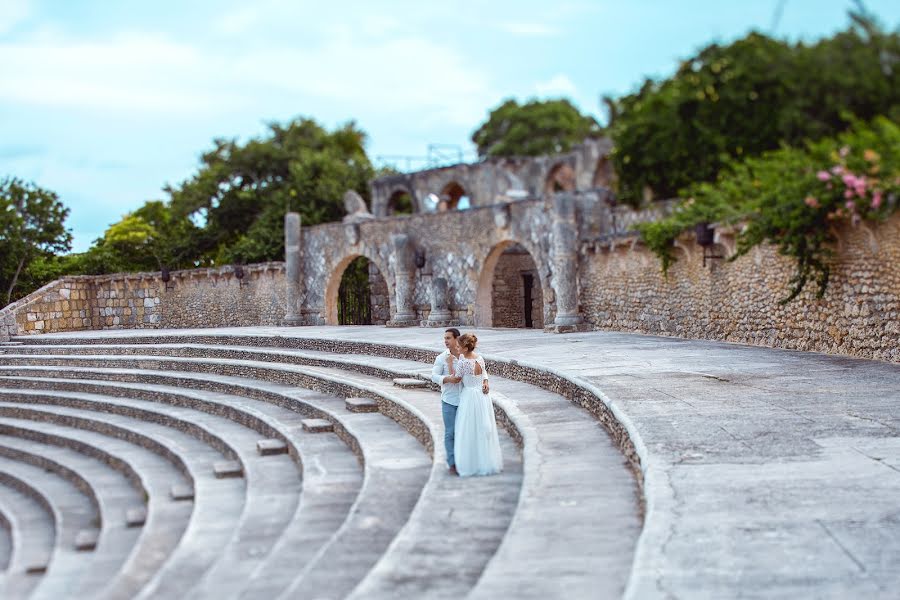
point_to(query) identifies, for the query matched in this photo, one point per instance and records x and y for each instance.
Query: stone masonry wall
(195, 298)
(622, 289)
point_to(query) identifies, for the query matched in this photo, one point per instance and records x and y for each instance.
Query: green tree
(532, 129)
(739, 100)
(32, 225)
(239, 195)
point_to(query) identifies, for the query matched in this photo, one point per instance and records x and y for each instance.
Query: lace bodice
(465, 368)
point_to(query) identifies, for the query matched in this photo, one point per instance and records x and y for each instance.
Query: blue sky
(105, 102)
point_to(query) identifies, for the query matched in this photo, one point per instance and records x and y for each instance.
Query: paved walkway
(768, 473)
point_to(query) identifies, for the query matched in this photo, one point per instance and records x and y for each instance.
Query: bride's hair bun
(468, 341)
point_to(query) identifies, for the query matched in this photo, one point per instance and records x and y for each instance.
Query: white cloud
(530, 29)
(13, 12)
(558, 85)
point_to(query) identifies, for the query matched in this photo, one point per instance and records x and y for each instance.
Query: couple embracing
(470, 430)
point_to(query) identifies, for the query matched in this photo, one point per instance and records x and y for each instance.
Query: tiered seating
(372, 516)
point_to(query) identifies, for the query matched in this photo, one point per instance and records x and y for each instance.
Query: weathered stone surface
(181, 491)
(360, 405)
(228, 468)
(405, 382)
(317, 425)
(271, 447)
(86, 540)
(136, 516)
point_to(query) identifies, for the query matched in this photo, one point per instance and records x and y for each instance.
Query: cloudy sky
(107, 101)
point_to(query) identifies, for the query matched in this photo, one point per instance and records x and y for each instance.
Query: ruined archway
(561, 178)
(604, 175)
(357, 294)
(453, 197)
(510, 292)
(400, 203)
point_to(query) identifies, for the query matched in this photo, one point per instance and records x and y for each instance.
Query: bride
(476, 444)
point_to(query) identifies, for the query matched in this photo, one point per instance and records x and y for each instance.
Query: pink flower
(849, 180)
(811, 202)
(851, 206)
(848, 193)
(823, 175)
(837, 169)
(844, 151)
(876, 200)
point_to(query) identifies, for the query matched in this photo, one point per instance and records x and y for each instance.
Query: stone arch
(560, 178)
(502, 296)
(604, 175)
(452, 193)
(334, 283)
(400, 202)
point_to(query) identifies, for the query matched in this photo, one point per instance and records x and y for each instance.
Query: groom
(441, 375)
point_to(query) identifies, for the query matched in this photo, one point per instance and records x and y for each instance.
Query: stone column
(440, 315)
(294, 268)
(564, 264)
(404, 281)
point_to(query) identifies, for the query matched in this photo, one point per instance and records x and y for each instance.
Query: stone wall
(194, 298)
(622, 289)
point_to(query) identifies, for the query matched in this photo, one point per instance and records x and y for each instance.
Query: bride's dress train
(476, 444)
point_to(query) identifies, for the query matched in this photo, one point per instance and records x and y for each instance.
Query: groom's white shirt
(449, 391)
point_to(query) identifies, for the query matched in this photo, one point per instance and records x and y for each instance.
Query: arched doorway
(400, 203)
(454, 197)
(560, 179)
(357, 294)
(509, 290)
(604, 175)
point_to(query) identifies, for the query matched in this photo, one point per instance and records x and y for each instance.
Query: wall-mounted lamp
(420, 258)
(165, 275)
(706, 237)
(239, 274)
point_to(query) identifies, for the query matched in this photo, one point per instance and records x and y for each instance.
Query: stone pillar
(440, 315)
(564, 264)
(294, 267)
(404, 281)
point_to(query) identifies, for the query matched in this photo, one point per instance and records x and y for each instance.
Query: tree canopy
(748, 97)
(532, 129)
(32, 225)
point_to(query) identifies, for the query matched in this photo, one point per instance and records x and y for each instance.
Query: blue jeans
(449, 413)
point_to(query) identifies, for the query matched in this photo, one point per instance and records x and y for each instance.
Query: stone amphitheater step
(220, 502)
(33, 535)
(572, 465)
(109, 495)
(6, 543)
(273, 483)
(73, 512)
(395, 470)
(150, 474)
(481, 512)
(331, 478)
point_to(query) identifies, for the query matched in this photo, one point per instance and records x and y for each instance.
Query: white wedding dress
(476, 444)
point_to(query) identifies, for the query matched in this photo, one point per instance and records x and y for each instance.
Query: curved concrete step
(74, 511)
(109, 494)
(367, 531)
(6, 542)
(564, 435)
(33, 537)
(598, 557)
(483, 511)
(218, 503)
(331, 473)
(151, 476)
(273, 483)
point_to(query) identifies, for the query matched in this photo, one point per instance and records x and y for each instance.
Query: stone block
(271, 446)
(136, 516)
(86, 540)
(317, 425)
(228, 468)
(410, 383)
(361, 405)
(38, 565)
(181, 491)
